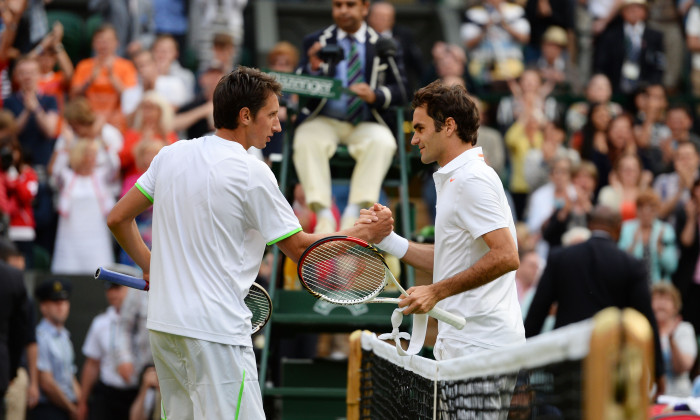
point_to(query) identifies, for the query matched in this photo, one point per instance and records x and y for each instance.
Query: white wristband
(394, 244)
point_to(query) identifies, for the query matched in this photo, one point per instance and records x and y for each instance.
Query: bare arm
(184, 120)
(501, 258)
(122, 223)
(54, 394)
(420, 256)
(91, 372)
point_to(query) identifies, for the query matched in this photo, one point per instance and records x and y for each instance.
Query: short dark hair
(244, 87)
(442, 102)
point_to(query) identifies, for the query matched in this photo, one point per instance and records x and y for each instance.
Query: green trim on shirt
(274, 241)
(144, 192)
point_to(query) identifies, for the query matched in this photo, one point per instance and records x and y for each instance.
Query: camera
(331, 53)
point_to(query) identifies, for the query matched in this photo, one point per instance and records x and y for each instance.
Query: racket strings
(259, 306)
(343, 271)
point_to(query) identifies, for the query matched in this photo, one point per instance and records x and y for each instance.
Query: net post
(600, 365)
(352, 398)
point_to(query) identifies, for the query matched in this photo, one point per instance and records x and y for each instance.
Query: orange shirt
(52, 84)
(103, 97)
(126, 155)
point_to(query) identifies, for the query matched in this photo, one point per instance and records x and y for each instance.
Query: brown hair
(648, 198)
(244, 87)
(284, 48)
(443, 102)
(79, 111)
(668, 289)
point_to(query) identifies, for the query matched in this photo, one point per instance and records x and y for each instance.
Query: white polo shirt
(471, 202)
(214, 209)
(101, 344)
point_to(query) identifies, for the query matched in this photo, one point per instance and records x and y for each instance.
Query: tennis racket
(348, 271)
(257, 299)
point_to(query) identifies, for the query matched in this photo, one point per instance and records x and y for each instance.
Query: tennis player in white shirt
(214, 209)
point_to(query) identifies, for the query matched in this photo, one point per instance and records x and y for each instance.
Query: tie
(354, 76)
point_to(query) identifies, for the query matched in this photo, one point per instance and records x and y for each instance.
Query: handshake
(374, 223)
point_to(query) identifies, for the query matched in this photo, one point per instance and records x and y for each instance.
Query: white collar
(472, 154)
(636, 29)
(360, 35)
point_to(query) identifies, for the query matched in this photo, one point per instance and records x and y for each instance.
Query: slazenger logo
(452, 179)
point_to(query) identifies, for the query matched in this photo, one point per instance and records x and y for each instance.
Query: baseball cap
(53, 289)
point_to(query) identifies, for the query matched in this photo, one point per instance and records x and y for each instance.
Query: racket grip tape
(119, 278)
(455, 320)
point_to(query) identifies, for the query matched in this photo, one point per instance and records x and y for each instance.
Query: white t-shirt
(470, 203)
(215, 207)
(100, 343)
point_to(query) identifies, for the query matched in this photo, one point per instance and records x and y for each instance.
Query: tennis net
(588, 370)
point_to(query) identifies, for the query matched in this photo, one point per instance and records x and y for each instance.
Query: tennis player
(214, 209)
(475, 254)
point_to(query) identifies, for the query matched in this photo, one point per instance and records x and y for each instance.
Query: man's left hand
(364, 91)
(420, 300)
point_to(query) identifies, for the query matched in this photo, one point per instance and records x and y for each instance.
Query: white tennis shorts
(205, 380)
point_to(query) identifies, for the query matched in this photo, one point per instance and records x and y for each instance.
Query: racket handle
(119, 278)
(452, 319)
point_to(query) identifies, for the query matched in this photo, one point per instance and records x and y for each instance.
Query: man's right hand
(378, 220)
(314, 60)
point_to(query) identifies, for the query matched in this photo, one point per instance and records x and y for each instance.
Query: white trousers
(371, 144)
(205, 380)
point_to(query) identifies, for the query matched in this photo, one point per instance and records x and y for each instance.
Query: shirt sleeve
(270, 213)
(43, 361)
(91, 347)
(480, 205)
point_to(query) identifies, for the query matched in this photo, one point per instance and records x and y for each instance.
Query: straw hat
(556, 35)
(633, 2)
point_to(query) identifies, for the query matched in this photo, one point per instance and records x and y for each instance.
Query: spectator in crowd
(626, 182)
(382, 18)
(494, 34)
(14, 327)
(166, 51)
(103, 78)
(354, 120)
(593, 137)
(554, 64)
(524, 135)
(153, 120)
(529, 96)
(449, 61)
(679, 346)
(649, 239)
(283, 57)
(146, 406)
(543, 15)
(674, 188)
(216, 22)
(633, 52)
(83, 122)
(33, 26)
(82, 239)
(491, 142)
(598, 90)
(679, 121)
(539, 162)
(526, 278)
(196, 119)
(549, 198)
(664, 17)
(687, 276)
(650, 127)
(105, 394)
(36, 114)
(620, 141)
(692, 38)
(170, 18)
(133, 22)
(21, 186)
(171, 88)
(588, 277)
(52, 82)
(574, 214)
(59, 388)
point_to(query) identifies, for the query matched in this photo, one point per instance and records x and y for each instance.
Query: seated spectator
(49, 53)
(526, 278)
(626, 182)
(679, 121)
(633, 52)
(146, 406)
(59, 389)
(539, 162)
(153, 120)
(103, 78)
(223, 51)
(165, 52)
(598, 90)
(594, 134)
(674, 188)
(574, 214)
(196, 119)
(529, 95)
(523, 136)
(554, 64)
(171, 88)
(679, 347)
(650, 239)
(105, 394)
(83, 239)
(283, 57)
(650, 128)
(620, 141)
(82, 122)
(449, 60)
(36, 114)
(21, 186)
(495, 26)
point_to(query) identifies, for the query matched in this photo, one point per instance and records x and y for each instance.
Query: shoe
(325, 225)
(347, 222)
